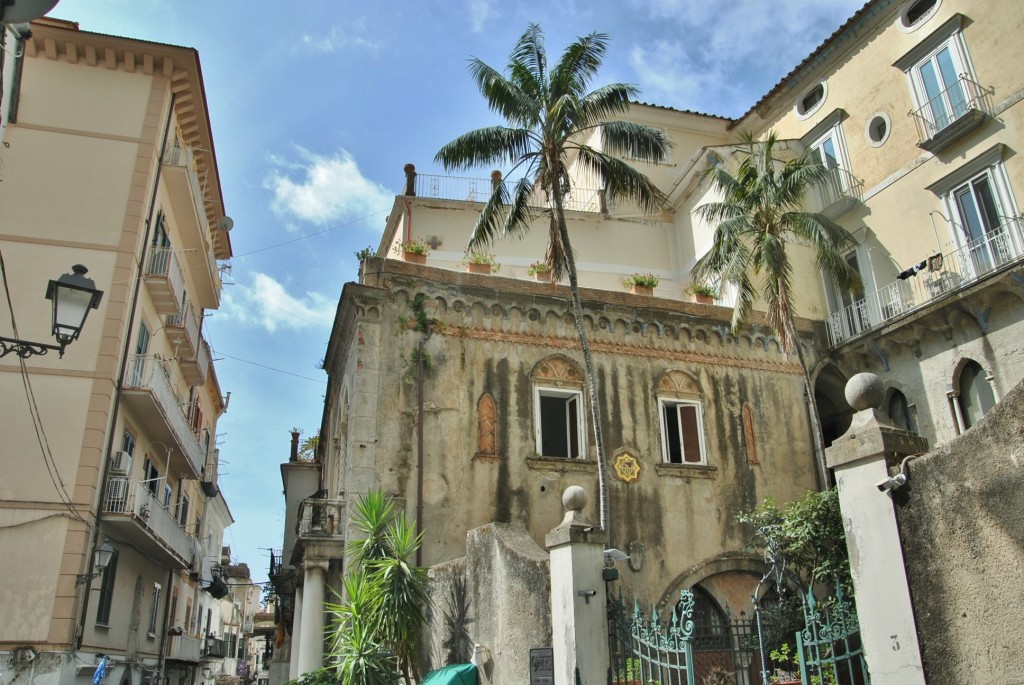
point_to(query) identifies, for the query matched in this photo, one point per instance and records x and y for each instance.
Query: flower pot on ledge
(474, 268)
(703, 299)
(414, 257)
(542, 277)
(641, 290)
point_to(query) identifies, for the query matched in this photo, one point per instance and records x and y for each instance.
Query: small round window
(811, 100)
(878, 129)
(916, 13)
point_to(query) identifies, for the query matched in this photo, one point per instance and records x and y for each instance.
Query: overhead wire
(37, 422)
(310, 235)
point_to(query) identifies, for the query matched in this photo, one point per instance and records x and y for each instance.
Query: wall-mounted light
(73, 296)
(101, 557)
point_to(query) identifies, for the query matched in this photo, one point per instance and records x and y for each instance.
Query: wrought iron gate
(642, 650)
(829, 645)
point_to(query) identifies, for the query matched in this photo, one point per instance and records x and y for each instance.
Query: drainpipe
(293, 456)
(167, 620)
(120, 373)
(410, 191)
(419, 440)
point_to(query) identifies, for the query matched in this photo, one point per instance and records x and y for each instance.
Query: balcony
(194, 368)
(952, 113)
(319, 522)
(479, 190)
(946, 274)
(183, 328)
(164, 279)
(215, 648)
(836, 196)
(148, 393)
(187, 192)
(133, 511)
(184, 648)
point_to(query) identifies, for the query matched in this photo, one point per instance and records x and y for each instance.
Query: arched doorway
(976, 394)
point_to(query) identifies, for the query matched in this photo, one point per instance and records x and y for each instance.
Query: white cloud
(327, 189)
(479, 12)
(267, 303)
(338, 38)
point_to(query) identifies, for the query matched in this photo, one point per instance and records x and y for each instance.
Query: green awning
(458, 674)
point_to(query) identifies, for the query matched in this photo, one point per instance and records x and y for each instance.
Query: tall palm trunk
(577, 312)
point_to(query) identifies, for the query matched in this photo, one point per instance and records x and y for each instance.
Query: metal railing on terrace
(944, 110)
(141, 500)
(479, 190)
(163, 272)
(944, 274)
(185, 321)
(184, 648)
(841, 186)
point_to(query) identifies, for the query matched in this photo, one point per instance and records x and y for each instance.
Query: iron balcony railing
(318, 517)
(275, 562)
(215, 648)
(944, 274)
(841, 187)
(479, 190)
(954, 104)
(184, 324)
(163, 274)
(180, 155)
(148, 373)
(142, 501)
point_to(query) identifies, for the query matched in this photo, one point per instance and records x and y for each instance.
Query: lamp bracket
(26, 348)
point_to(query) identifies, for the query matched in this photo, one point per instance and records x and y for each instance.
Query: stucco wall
(960, 518)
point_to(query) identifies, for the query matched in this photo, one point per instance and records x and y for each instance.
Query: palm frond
(637, 141)
(620, 180)
(578, 64)
(509, 98)
(529, 52)
(494, 145)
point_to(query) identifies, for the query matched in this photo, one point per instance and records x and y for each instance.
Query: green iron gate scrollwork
(644, 650)
(829, 645)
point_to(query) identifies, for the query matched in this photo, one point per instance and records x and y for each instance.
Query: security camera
(892, 483)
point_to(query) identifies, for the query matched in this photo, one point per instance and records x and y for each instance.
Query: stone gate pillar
(861, 459)
(579, 613)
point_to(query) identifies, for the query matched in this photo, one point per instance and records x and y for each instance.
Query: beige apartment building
(109, 162)
(914, 106)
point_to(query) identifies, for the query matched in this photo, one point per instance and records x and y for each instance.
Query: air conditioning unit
(121, 464)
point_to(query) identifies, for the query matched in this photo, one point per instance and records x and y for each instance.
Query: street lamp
(101, 557)
(73, 295)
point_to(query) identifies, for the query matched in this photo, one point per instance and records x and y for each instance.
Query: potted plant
(630, 673)
(641, 284)
(414, 251)
(481, 263)
(362, 255)
(540, 272)
(701, 293)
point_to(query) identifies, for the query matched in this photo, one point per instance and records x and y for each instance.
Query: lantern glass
(73, 295)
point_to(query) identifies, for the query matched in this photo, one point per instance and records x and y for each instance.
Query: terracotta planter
(414, 257)
(542, 276)
(474, 268)
(641, 290)
(703, 299)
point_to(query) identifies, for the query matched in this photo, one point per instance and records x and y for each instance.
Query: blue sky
(317, 104)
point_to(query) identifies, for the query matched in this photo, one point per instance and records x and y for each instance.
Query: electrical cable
(310, 235)
(270, 368)
(37, 423)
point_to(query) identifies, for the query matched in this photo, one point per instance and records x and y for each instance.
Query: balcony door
(827, 152)
(854, 305)
(938, 81)
(988, 244)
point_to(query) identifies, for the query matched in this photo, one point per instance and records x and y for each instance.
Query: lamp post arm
(26, 348)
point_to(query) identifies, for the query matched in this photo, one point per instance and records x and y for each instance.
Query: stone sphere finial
(865, 391)
(574, 498)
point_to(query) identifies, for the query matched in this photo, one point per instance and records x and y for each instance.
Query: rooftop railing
(943, 274)
(479, 190)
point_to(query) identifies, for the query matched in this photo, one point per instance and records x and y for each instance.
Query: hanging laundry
(912, 271)
(935, 262)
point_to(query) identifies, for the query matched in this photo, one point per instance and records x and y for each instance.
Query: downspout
(419, 440)
(167, 620)
(124, 364)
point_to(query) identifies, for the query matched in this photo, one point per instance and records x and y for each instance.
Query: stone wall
(498, 597)
(962, 526)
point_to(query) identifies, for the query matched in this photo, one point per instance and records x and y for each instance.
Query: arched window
(976, 396)
(711, 626)
(487, 429)
(900, 413)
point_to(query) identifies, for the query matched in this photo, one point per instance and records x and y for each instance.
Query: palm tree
(759, 217)
(549, 116)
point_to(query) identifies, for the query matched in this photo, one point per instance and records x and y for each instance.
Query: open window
(682, 435)
(559, 422)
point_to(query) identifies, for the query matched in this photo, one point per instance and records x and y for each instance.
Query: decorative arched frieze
(678, 384)
(557, 371)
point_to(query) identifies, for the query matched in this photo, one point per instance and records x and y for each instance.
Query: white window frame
(901, 21)
(154, 610)
(665, 404)
(803, 114)
(949, 35)
(567, 394)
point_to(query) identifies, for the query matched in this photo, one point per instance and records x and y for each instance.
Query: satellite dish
(21, 11)
(225, 223)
